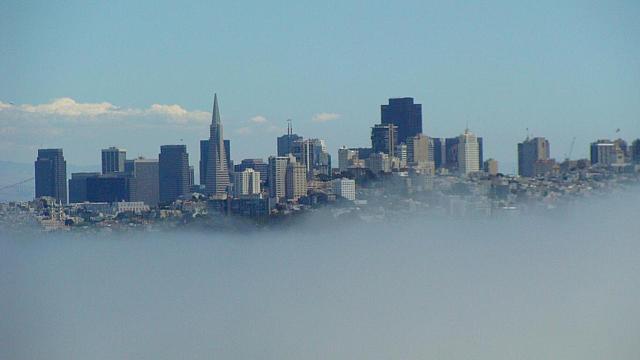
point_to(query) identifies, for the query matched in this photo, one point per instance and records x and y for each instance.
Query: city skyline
(191, 122)
(499, 68)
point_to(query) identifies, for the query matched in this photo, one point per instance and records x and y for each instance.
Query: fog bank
(510, 288)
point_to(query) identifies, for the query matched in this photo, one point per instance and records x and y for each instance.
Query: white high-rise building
(468, 153)
(246, 182)
(345, 188)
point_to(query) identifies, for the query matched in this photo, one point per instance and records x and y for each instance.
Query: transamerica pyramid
(217, 174)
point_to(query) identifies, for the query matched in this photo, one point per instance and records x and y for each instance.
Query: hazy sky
(562, 69)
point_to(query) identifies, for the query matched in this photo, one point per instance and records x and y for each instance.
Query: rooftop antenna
(289, 134)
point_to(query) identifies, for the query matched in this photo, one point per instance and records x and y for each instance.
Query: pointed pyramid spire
(216, 111)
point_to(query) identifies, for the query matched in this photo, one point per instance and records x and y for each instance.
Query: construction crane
(567, 156)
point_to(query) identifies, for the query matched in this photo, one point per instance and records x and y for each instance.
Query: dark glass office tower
(173, 172)
(204, 150)
(227, 152)
(51, 174)
(404, 114)
(383, 138)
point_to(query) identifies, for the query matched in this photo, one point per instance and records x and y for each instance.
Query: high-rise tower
(217, 173)
(51, 174)
(403, 113)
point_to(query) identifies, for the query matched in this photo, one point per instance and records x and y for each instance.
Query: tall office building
(439, 152)
(480, 153)
(468, 153)
(312, 153)
(113, 160)
(346, 157)
(400, 156)
(451, 153)
(78, 186)
(202, 165)
(51, 174)
(145, 175)
(277, 176)
(419, 149)
(490, 167)
(285, 142)
(529, 152)
(217, 173)
(110, 188)
(204, 151)
(635, 151)
(344, 188)
(246, 182)
(606, 152)
(404, 114)
(384, 138)
(295, 181)
(379, 163)
(257, 165)
(173, 172)
(227, 152)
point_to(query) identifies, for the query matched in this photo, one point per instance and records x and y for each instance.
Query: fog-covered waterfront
(518, 288)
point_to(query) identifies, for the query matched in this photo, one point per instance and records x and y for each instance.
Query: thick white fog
(564, 287)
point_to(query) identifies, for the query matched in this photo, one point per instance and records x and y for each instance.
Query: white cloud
(324, 117)
(69, 110)
(259, 119)
(69, 107)
(244, 130)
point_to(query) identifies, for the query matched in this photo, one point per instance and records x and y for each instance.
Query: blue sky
(561, 69)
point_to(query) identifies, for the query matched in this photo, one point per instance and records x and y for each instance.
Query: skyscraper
(146, 181)
(451, 153)
(383, 138)
(468, 153)
(51, 174)
(277, 176)
(202, 165)
(606, 152)
(296, 180)
(439, 152)
(227, 152)
(78, 186)
(112, 187)
(285, 142)
(344, 188)
(113, 160)
(530, 151)
(256, 164)
(173, 172)
(406, 115)
(217, 173)
(635, 151)
(246, 182)
(346, 157)
(419, 149)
